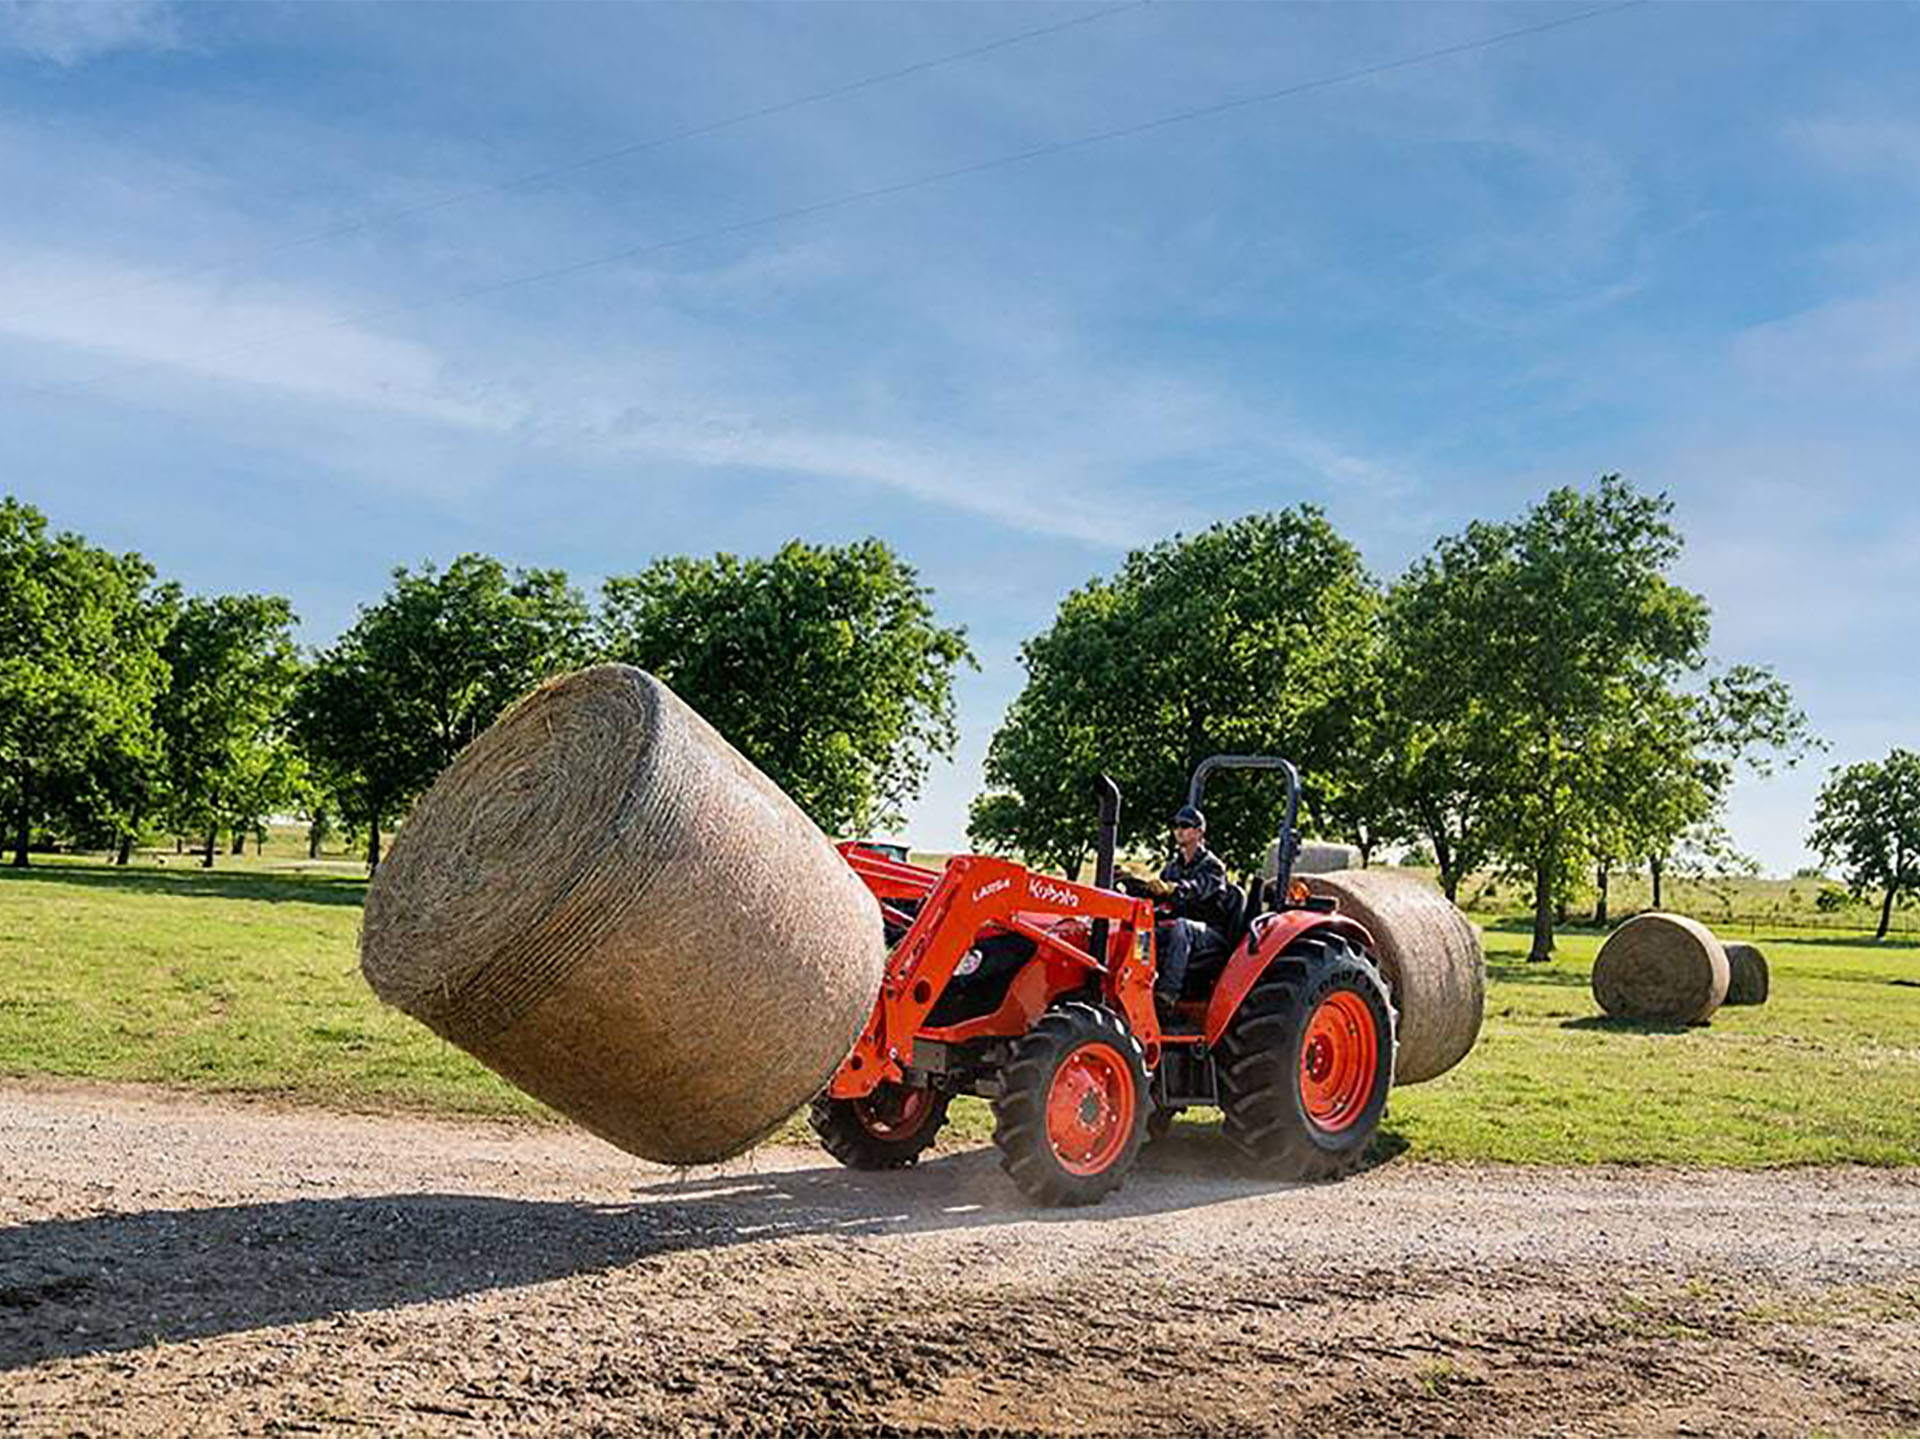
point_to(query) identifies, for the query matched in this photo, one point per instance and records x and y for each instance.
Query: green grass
(244, 980)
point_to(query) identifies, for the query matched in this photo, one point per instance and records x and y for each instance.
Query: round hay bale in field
(1661, 967)
(1431, 958)
(603, 901)
(1316, 857)
(1746, 973)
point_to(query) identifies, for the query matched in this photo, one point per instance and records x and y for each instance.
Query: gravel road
(171, 1264)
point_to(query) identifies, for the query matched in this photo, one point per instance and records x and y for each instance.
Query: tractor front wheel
(1306, 1062)
(881, 1131)
(1072, 1106)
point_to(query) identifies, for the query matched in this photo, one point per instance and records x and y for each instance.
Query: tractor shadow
(117, 1282)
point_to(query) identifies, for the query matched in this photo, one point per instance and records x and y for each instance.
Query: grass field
(243, 979)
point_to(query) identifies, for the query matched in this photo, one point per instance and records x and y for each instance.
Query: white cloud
(1878, 148)
(72, 32)
(130, 324)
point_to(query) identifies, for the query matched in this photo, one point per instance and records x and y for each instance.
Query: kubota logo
(991, 888)
(1047, 890)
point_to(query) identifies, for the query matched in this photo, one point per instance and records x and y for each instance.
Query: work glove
(1159, 889)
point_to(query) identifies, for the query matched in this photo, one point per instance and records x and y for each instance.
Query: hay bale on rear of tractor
(1661, 967)
(1430, 956)
(606, 903)
(1746, 973)
(1316, 857)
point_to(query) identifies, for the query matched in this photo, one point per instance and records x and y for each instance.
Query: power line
(855, 197)
(379, 219)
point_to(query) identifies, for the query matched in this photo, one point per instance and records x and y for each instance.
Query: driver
(1193, 886)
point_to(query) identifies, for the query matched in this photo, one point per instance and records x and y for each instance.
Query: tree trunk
(213, 843)
(1655, 865)
(239, 841)
(313, 842)
(21, 818)
(373, 845)
(1542, 912)
(1886, 913)
(179, 844)
(259, 843)
(1600, 876)
(1450, 876)
(125, 853)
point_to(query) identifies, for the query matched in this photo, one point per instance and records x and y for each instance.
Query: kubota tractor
(1037, 993)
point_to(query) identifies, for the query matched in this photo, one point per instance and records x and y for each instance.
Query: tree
(1866, 824)
(1668, 800)
(79, 667)
(1443, 755)
(823, 665)
(386, 708)
(1252, 636)
(1549, 632)
(232, 666)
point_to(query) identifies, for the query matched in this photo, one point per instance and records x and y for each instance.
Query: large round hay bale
(1432, 962)
(1746, 973)
(1661, 967)
(1316, 857)
(603, 901)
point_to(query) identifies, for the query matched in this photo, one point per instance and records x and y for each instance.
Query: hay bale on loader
(1746, 973)
(1661, 967)
(1432, 961)
(603, 901)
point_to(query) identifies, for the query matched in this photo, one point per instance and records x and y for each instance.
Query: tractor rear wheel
(1072, 1106)
(1306, 1062)
(881, 1131)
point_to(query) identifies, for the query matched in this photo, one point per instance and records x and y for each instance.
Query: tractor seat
(1204, 969)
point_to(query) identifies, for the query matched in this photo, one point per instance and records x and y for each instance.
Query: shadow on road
(71, 1288)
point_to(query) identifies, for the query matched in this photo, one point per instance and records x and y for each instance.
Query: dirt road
(177, 1265)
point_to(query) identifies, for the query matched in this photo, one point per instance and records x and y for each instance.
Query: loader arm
(979, 896)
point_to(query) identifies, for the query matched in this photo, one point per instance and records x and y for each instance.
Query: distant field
(244, 980)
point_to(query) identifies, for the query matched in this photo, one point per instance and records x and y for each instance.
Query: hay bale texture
(1746, 973)
(1661, 967)
(1316, 857)
(603, 901)
(1431, 958)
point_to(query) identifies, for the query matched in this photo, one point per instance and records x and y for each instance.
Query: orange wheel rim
(898, 1116)
(1090, 1108)
(1339, 1061)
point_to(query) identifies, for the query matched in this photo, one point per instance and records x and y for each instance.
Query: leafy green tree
(1554, 628)
(1685, 756)
(386, 708)
(232, 664)
(1866, 824)
(1442, 754)
(79, 667)
(824, 665)
(1251, 636)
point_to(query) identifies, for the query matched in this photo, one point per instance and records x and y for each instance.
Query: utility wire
(382, 218)
(855, 197)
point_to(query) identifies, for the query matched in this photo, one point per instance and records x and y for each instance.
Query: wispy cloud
(72, 32)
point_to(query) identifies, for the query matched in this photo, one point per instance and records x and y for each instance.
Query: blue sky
(1677, 241)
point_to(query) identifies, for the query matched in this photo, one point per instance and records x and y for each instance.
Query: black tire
(867, 1134)
(1267, 1119)
(1094, 1042)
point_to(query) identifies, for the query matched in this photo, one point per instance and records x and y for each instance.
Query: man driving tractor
(1194, 887)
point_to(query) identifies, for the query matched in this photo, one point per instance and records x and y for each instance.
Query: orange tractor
(1037, 993)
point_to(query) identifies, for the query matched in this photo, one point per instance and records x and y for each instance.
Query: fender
(1270, 935)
